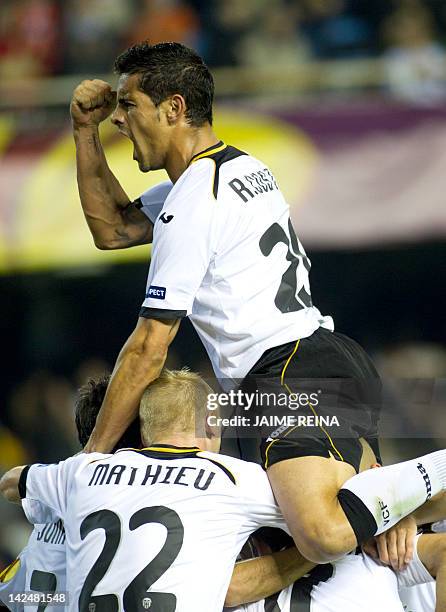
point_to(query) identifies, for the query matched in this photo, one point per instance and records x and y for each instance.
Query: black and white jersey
(39, 568)
(352, 583)
(225, 254)
(153, 529)
(355, 582)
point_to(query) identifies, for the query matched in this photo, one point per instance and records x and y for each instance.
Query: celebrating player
(355, 582)
(173, 516)
(43, 561)
(225, 254)
(41, 565)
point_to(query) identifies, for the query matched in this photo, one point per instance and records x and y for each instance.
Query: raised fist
(92, 102)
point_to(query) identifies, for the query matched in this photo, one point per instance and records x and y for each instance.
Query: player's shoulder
(239, 469)
(205, 169)
(73, 465)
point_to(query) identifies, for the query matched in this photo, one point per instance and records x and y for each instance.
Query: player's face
(142, 122)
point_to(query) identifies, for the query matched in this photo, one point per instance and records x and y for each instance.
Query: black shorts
(336, 396)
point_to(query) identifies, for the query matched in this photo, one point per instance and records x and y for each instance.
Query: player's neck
(180, 440)
(188, 143)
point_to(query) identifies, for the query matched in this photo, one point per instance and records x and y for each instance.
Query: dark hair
(88, 403)
(171, 68)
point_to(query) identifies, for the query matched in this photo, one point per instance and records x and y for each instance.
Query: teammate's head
(161, 88)
(88, 403)
(175, 406)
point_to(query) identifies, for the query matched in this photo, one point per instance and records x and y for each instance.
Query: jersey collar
(170, 448)
(208, 152)
(169, 451)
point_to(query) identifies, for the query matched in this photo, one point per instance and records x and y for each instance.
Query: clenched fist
(92, 102)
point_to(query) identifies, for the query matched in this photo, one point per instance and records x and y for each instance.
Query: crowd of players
(154, 518)
(160, 511)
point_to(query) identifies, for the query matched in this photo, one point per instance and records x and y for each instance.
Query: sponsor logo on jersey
(158, 293)
(166, 218)
(427, 480)
(385, 512)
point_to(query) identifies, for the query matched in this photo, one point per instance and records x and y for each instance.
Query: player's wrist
(80, 128)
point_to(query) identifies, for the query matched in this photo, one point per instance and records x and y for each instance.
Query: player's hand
(394, 547)
(92, 102)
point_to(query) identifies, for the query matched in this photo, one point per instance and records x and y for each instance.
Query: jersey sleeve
(45, 487)
(37, 513)
(415, 572)
(183, 246)
(152, 201)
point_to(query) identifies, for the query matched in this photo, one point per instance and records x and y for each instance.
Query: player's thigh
(306, 490)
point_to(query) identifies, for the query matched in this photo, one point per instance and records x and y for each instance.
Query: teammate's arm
(255, 579)
(139, 363)
(9, 484)
(432, 511)
(114, 221)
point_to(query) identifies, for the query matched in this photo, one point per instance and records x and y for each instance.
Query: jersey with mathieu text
(153, 529)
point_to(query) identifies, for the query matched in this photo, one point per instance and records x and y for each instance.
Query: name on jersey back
(184, 475)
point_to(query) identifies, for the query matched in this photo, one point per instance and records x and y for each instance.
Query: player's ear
(211, 427)
(175, 108)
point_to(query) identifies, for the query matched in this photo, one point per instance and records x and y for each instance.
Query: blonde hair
(176, 402)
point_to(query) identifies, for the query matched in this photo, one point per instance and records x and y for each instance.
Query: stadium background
(345, 100)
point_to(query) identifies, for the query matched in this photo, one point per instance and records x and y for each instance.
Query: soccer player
(225, 254)
(353, 583)
(41, 565)
(158, 527)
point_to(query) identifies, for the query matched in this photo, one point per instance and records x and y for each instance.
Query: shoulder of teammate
(151, 202)
(44, 488)
(253, 488)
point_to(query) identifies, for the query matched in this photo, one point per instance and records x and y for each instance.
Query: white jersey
(225, 254)
(417, 591)
(151, 528)
(355, 582)
(40, 567)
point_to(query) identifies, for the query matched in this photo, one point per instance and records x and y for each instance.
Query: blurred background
(344, 100)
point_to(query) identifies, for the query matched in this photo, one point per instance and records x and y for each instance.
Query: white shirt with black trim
(225, 255)
(175, 517)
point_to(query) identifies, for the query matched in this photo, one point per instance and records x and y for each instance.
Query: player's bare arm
(9, 484)
(432, 511)
(256, 579)
(114, 221)
(139, 363)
